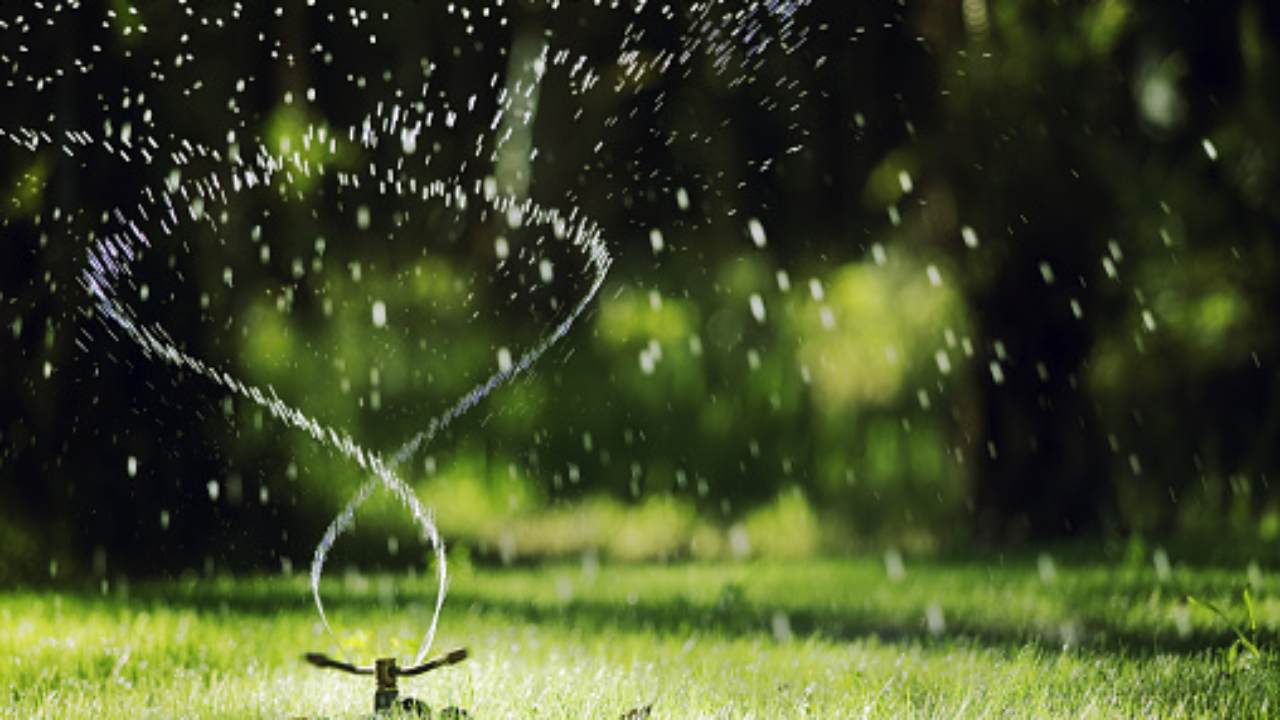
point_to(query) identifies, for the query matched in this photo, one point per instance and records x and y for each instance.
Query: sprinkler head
(386, 672)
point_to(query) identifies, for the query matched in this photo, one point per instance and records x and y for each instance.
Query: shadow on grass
(732, 616)
(682, 617)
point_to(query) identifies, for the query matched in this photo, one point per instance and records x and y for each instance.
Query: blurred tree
(1064, 139)
(920, 256)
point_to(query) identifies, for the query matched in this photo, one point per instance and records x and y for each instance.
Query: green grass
(825, 639)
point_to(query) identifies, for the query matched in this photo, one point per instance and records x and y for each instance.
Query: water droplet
(1109, 267)
(780, 625)
(1164, 569)
(757, 307)
(827, 318)
(739, 541)
(934, 619)
(1048, 571)
(944, 362)
(655, 240)
(784, 280)
(757, 233)
(131, 466)
(1182, 619)
(893, 565)
(1117, 254)
(682, 198)
(1042, 372)
(1046, 272)
(816, 290)
(1210, 150)
(379, 314)
(904, 182)
(970, 237)
(695, 346)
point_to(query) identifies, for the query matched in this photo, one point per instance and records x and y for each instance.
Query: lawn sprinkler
(387, 702)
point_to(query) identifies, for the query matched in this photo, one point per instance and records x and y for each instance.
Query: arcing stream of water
(167, 213)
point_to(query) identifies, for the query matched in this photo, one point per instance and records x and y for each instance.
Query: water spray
(188, 199)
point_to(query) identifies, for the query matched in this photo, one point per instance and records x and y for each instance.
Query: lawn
(819, 639)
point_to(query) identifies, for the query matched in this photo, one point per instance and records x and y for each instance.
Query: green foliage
(877, 330)
(503, 517)
(787, 528)
(1103, 23)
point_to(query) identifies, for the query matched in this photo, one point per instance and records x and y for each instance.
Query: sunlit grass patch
(825, 639)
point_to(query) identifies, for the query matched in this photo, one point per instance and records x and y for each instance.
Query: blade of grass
(1235, 628)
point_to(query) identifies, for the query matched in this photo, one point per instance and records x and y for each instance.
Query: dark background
(1101, 366)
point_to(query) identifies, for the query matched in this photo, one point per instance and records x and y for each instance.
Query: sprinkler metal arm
(453, 657)
(321, 660)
